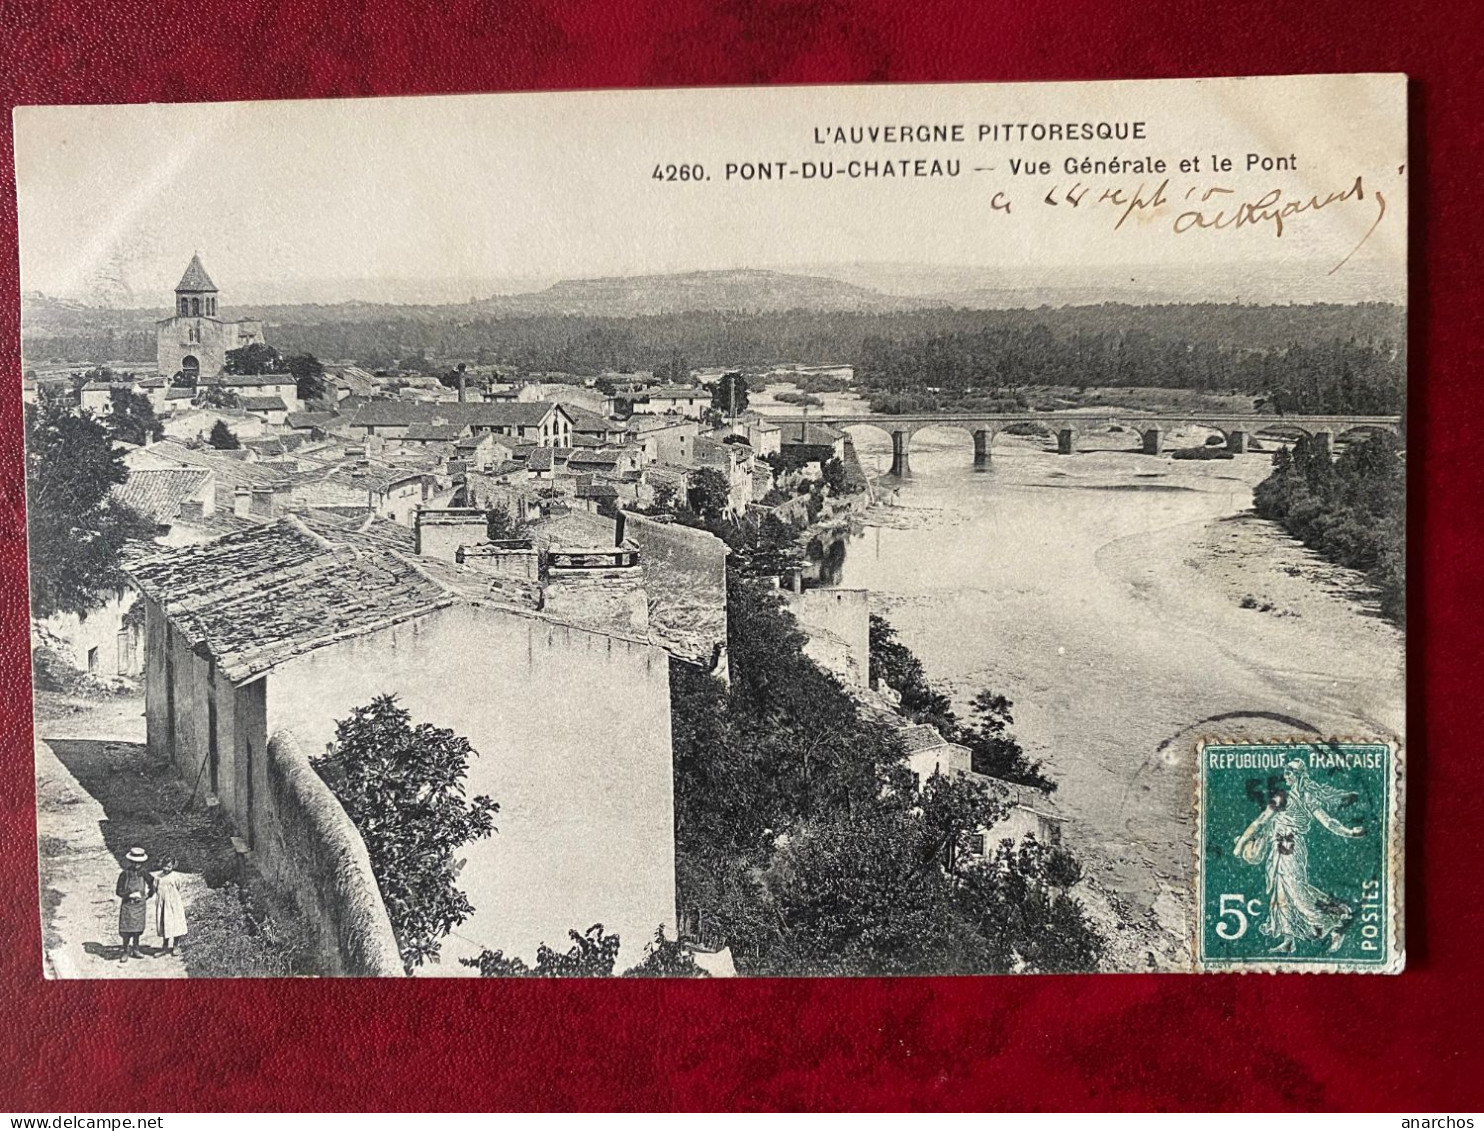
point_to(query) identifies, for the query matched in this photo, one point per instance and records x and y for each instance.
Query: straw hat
(137, 855)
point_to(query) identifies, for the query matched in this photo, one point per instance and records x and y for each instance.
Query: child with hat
(135, 886)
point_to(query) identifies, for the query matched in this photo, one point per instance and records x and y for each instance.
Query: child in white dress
(170, 919)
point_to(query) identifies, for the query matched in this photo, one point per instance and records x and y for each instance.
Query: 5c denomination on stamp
(1299, 856)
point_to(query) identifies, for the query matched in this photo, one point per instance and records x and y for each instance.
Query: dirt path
(98, 793)
(78, 871)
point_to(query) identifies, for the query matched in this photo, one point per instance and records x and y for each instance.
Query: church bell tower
(195, 294)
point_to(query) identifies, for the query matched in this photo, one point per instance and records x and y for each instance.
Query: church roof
(195, 278)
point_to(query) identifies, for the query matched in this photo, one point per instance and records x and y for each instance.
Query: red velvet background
(1254, 1042)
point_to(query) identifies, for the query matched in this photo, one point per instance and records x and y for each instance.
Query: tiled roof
(263, 404)
(98, 387)
(597, 491)
(921, 737)
(435, 432)
(157, 493)
(262, 596)
(256, 380)
(585, 420)
(256, 598)
(351, 377)
(540, 460)
(600, 459)
(195, 277)
(478, 414)
(657, 423)
(179, 393)
(678, 391)
(230, 467)
(312, 419)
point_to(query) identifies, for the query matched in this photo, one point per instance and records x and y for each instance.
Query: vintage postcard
(811, 531)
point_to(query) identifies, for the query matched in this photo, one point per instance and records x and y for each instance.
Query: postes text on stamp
(1299, 856)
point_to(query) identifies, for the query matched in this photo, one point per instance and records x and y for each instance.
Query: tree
(76, 529)
(1017, 903)
(710, 495)
(666, 958)
(309, 377)
(864, 894)
(994, 748)
(675, 370)
(893, 663)
(217, 396)
(222, 438)
(729, 395)
(835, 477)
(1351, 510)
(772, 551)
(253, 360)
(403, 787)
(665, 500)
(591, 955)
(501, 526)
(131, 418)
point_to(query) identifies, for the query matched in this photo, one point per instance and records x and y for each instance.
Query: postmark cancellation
(1299, 856)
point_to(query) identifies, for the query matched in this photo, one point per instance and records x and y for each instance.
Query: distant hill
(746, 292)
(740, 317)
(742, 291)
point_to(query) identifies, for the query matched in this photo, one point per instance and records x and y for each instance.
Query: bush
(1026, 428)
(1352, 510)
(1202, 453)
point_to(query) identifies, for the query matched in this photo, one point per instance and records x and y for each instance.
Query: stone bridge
(1150, 427)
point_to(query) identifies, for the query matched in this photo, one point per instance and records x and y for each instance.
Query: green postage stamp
(1299, 856)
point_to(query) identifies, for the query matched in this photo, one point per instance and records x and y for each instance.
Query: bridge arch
(1348, 432)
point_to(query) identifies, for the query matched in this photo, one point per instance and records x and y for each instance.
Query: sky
(341, 198)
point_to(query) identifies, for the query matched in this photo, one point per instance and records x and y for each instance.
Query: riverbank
(1127, 604)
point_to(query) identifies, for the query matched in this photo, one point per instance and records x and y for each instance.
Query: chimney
(242, 501)
(597, 587)
(461, 382)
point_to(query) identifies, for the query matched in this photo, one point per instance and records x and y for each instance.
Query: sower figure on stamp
(1279, 840)
(135, 886)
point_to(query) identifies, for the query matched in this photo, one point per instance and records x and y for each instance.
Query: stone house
(482, 452)
(733, 461)
(245, 386)
(665, 439)
(274, 634)
(809, 442)
(97, 397)
(690, 401)
(764, 436)
(541, 423)
(1031, 812)
(270, 410)
(592, 428)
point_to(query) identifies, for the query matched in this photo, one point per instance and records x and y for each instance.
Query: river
(1104, 593)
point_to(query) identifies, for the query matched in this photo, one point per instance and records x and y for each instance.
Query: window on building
(196, 307)
(92, 661)
(185, 306)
